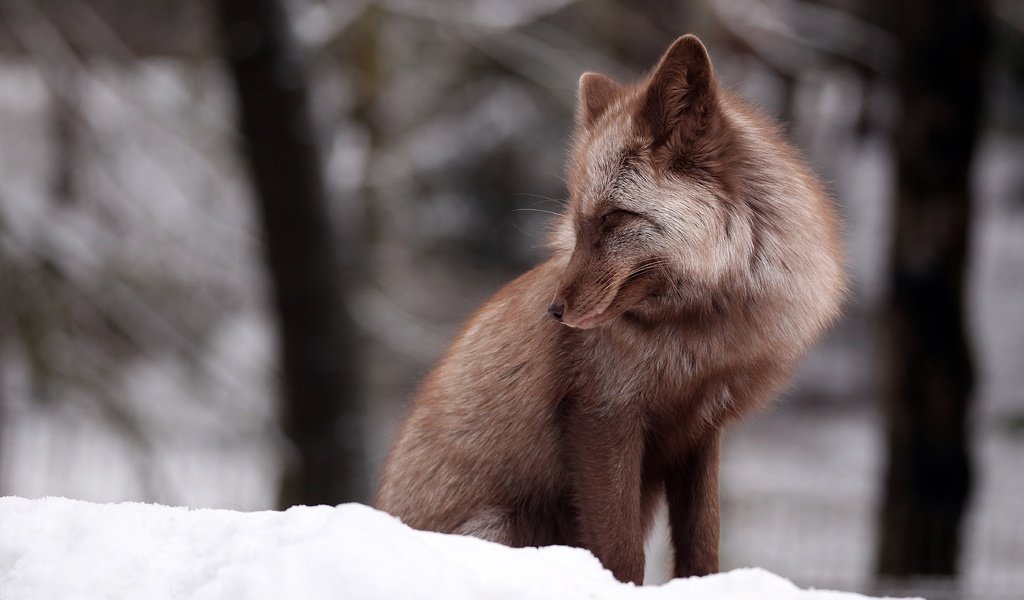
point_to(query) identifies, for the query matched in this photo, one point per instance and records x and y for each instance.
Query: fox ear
(596, 94)
(681, 90)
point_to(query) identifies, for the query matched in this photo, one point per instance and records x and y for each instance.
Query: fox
(697, 259)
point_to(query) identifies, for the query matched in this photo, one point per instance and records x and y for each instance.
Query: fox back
(697, 260)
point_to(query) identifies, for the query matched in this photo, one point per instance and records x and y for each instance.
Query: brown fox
(697, 259)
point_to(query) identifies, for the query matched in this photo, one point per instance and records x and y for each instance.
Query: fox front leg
(691, 489)
(605, 449)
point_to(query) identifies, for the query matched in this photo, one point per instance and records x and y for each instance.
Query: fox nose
(556, 309)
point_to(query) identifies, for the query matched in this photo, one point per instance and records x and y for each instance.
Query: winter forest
(236, 234)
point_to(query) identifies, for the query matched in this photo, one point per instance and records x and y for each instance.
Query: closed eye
(612, 219)
(614, 216)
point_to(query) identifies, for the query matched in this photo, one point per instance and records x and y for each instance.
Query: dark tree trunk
(64, 123)
(321, 413)
(928, 481)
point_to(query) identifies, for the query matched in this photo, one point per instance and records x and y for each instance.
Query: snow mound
(59, 548)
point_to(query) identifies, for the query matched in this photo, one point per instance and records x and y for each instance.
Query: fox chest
(674, 391)
(634, 367)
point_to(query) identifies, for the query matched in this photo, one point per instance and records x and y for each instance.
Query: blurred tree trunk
(64, 123)
(928, 481)
(6, 333)
(321, 412)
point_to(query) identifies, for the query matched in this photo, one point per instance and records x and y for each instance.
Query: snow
(60, 548)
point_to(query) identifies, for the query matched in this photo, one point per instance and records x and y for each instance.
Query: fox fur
(697, 260)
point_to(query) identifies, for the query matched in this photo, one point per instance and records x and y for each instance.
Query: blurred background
(234, 234)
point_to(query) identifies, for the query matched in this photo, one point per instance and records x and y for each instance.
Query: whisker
(650, 266)
(540, 210)
(559, 201)
(607, 282)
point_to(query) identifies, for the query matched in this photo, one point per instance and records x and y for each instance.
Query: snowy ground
(58, 548)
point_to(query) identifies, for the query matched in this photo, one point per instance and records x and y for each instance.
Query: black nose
(556, 309)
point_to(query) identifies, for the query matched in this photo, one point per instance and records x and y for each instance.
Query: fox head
(646, 189)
